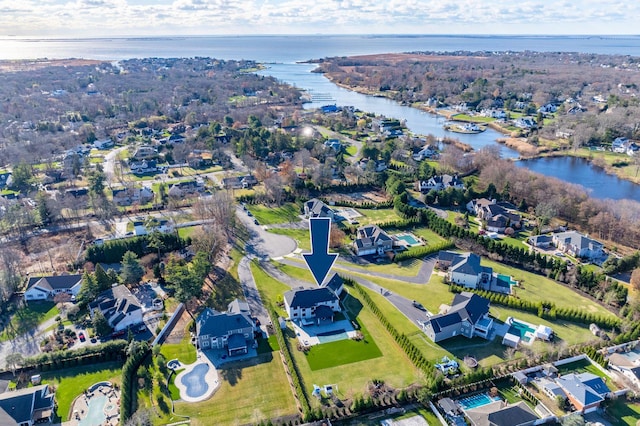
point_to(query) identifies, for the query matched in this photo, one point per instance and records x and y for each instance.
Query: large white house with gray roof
(578, 245)
(317, 304)
(119, 306)
(43, 288)
(232, 330)
(467, 316)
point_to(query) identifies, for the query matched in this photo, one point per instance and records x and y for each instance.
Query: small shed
(522, 378)
(511, 340)
(543, 332)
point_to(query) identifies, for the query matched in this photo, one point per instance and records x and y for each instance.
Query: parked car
(256, 222)
(81, 337)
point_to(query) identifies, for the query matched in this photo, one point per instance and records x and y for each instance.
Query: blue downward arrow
(320, 260)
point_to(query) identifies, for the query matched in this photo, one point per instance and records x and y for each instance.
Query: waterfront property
(578, 245)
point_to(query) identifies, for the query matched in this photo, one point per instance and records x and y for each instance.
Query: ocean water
(300, 48)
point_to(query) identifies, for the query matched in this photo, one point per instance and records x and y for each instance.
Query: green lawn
(271, 290)
(428, 235)
(537, 288)
(377, 216)
(183, 351)
(351, 150)
(273, 215)
(406, 268)
(186, 232)
(28, 317)
(249, 392)
(268, 345)
(621, 412)
(342, 352)
(585, 366)
(71, 382)
(301, 236)
(393, 366)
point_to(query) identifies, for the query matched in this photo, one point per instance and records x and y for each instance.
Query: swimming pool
(194, 381)
(332, 336)
(95, 412)
(475, 401)
(521, 329)
(505, 281)
(409, 239)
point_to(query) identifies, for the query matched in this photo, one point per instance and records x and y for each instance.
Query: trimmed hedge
(108, 351)
(544, 309)
(138, 351)
(419, 252)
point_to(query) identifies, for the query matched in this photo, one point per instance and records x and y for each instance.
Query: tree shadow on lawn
(232, 371)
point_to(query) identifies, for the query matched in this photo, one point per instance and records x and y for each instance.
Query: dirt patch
(359, 197)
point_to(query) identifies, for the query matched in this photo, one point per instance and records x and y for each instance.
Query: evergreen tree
(131, 271)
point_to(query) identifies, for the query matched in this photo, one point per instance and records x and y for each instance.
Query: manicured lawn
(537, 288)
(183, 351)
(271, 290)
(342, 352)
(428, 235)
(406, 268)
(273, 215)
(377, 216)
(28, 317)
(173, 389)
(351, 150)
(301, 273)
(300, 235)
(622, 412)
(186, 232)
(249, 392)
(268, 345)
(71, 382)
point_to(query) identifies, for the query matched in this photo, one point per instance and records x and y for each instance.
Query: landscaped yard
(622, 412)
(273, 215)
(377, 215)
(71, 382)
(183, 351)
(249, 392)
(393, 366)
(343, 352)
(271, 290)
(28, 317)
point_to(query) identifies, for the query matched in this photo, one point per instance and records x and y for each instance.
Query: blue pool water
(408, 238)
(95, 412)
(194, 381)
(332, 336)
(475, 401)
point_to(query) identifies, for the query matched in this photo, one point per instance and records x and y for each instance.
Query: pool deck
(211, 378)
(81, 406)
(308, 335)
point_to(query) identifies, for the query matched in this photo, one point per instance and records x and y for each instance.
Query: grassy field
(342, 352)
(377, 216)
(351, 150)
(623, 412)
(300, 235)
(183, 351)
(186, 232)
(273, 215)
(71, 382)
(406, 268)
(249, 392)
(271, 290)
(393, 367)
(28, 317)
(537, 288)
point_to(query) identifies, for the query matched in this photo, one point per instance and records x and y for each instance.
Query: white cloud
(104, 17)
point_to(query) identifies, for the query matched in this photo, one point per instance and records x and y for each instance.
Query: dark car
(256, 222)
(81, 337)
(417, 305)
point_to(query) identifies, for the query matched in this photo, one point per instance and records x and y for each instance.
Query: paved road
(264, 244)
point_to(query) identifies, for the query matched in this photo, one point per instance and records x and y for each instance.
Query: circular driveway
(265, 244)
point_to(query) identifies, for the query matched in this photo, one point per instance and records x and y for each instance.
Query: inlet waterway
(569, 169)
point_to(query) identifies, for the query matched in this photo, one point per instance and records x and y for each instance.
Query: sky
(95, 18)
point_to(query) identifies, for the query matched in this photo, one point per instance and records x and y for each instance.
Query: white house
(43, 288)
(311, 304)
(619, 145)
(578, 245)
(440, 182)
(466, 270)
(103, 144)
(119, 306)
(371, 239)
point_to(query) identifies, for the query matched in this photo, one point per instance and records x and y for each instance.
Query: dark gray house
(231, 330)
(468, 316)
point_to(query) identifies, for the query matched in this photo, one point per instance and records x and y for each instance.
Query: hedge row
(138, 351)
(544, 309)
(434, 381)
(111, 251)
(82, 356)
(419, 252)
(295, 375)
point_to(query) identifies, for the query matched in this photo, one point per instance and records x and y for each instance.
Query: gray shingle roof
(115, 303)
(214, 323)
(60, 282)
(307, 298)
(17, 407)
(583, 393)
(334, 283)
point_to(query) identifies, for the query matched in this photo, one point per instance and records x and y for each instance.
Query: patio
(310, 335)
